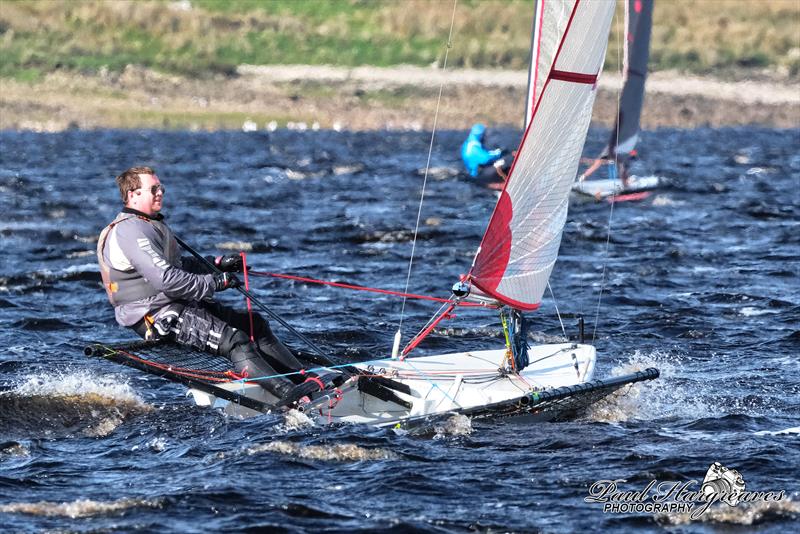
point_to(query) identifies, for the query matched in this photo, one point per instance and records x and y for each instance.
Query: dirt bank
(363, 98)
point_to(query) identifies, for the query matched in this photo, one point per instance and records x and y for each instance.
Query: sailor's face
(149, 197)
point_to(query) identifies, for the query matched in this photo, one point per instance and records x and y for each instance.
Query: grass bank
(201, 38)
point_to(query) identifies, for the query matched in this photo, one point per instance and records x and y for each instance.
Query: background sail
(521, 243)
(638, 26)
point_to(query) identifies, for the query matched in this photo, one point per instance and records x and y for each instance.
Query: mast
(638, 27)
(520, 246)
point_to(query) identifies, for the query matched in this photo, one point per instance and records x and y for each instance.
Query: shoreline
(365, 98)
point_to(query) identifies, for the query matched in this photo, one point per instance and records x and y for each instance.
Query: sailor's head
(141, 190)
(478, 130)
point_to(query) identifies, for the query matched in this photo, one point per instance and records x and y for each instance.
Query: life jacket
(122, 287)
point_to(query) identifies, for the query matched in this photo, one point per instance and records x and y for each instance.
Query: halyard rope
(620, 35)
(427, 165)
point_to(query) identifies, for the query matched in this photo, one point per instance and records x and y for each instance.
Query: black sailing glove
(230, 263)
(225, 281)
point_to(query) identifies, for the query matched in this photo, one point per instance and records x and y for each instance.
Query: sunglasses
(154, 189)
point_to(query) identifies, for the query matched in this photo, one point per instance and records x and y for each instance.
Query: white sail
(520, 246)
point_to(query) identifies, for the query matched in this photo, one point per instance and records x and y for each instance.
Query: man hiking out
(161, 295)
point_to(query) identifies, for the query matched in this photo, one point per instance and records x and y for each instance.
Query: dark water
(701, 279)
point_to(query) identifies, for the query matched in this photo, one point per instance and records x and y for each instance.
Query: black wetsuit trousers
(220, 330)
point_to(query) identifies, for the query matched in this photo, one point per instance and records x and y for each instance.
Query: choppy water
(701, 280)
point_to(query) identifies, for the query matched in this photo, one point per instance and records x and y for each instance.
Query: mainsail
(520, 246)
(638, 25)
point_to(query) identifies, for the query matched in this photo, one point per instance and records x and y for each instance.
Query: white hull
(608, 187)
(440, 384)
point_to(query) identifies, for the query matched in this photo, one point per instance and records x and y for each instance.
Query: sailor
(476, 157)
(161, 295)
(618, 167)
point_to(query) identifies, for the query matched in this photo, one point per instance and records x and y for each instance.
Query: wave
(748, 514)
(37, 280)
(654, 399)
(785, 432)
(55, 405)
(78, 508)
(13, 449)
(42, 324)
(334, 452)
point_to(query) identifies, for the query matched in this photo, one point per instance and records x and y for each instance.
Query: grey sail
(639, 24)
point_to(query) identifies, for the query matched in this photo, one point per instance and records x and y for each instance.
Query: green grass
(214, 36)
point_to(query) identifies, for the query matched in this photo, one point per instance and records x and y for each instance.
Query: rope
(213, 268)
(364, 288)
(208, 376)
(558, 313)
(427, 330)
(427, 165)
(247, 287)
(616, 163)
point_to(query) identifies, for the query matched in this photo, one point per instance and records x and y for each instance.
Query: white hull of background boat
(610, 187)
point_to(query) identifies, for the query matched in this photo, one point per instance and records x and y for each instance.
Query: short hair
(130, 181)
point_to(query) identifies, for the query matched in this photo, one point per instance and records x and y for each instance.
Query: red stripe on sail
(574, 77)
(496, 247)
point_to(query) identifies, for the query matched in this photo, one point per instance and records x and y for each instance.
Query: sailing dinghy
(613, 187)
(510, 272)
(625, 134)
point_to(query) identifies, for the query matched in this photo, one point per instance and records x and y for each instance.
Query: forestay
(520, 246)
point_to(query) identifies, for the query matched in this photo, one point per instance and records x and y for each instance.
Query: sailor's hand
(225, 281)
(230, 263)
(582, 177)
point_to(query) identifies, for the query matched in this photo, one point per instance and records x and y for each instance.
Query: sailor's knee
(230, 339)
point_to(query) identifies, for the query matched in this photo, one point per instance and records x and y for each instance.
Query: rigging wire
(558, 313)
(354, 287)
(427, 166)
(622, 65)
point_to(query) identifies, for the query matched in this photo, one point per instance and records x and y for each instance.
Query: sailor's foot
(299, 394)
(328, 379)
(249, 363)
(314, 384)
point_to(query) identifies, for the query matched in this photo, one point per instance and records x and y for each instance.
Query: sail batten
(521, 243)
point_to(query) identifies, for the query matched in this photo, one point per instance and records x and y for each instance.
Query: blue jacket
(473, 154)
